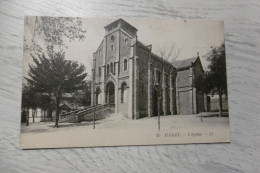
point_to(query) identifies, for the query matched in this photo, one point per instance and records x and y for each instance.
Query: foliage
(217, 70)
(55, 29)
(54, 32)
(202, 83)
(30, 100)
(217, 76)
(56, 76)
(83, 97)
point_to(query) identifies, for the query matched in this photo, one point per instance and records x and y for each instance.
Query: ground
(117, 130)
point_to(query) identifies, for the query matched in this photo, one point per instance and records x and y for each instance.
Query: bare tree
(167, 54)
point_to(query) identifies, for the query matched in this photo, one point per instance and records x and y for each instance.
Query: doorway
(110, 93)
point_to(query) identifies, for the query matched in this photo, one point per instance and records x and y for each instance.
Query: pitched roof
(153, 54)
(120, 20)
(185, 63)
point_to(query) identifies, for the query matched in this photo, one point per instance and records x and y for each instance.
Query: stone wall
(198, 70)
(124, 53)
(143, 55)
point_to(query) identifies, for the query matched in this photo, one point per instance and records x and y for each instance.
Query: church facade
(127, 75)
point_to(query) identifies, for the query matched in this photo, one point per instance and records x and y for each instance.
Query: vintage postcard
(90, 82)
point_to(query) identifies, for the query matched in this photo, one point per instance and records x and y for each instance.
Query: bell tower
(120, 24)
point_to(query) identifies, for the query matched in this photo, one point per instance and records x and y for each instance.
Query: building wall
(98, 61)
(143, 55)
(139, 98)
(190, 100)
(200, 102)
(184, 91)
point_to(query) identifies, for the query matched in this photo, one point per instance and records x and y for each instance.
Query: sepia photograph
(92, 82)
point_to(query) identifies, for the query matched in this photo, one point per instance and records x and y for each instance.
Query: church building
(130, 77)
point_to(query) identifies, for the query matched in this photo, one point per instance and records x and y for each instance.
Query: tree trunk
(50, 115)
(44, 115)
(33, 114)
(220, 103)
(158, 110)
(27, 118)
(57, 112)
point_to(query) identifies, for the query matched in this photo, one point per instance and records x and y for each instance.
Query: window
(107, 69)
(112, 47)
(99, 71)
(111, 67)
(125, 64)
(112, 38)
(123, 93)
(172, 82)
(99, 52)
(157, 76)
(126, 39)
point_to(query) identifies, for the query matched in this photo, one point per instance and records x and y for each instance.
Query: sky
(191, 36)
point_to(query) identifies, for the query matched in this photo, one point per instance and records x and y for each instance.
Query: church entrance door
(110, 93)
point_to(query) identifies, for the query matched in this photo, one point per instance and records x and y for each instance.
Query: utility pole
(94, 98)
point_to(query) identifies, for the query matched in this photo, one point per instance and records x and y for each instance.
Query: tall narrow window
(99, 71)
(112, 47)
(125, 64)
(107, 69)
(126, 40)
(159, 77)
(114, 67)
(123, 93)
(111, 67)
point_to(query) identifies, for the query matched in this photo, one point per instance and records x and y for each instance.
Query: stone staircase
(87, 114)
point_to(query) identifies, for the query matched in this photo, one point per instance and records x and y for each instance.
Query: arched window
(111, 67)
(107, 69)
(98, 96)
(123, 93)
(125, 64)
(112, 38)
(125, 40)
(158, 76)
(172, 82)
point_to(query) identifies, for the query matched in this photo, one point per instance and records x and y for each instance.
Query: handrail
(75, 111)
(84, 111)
